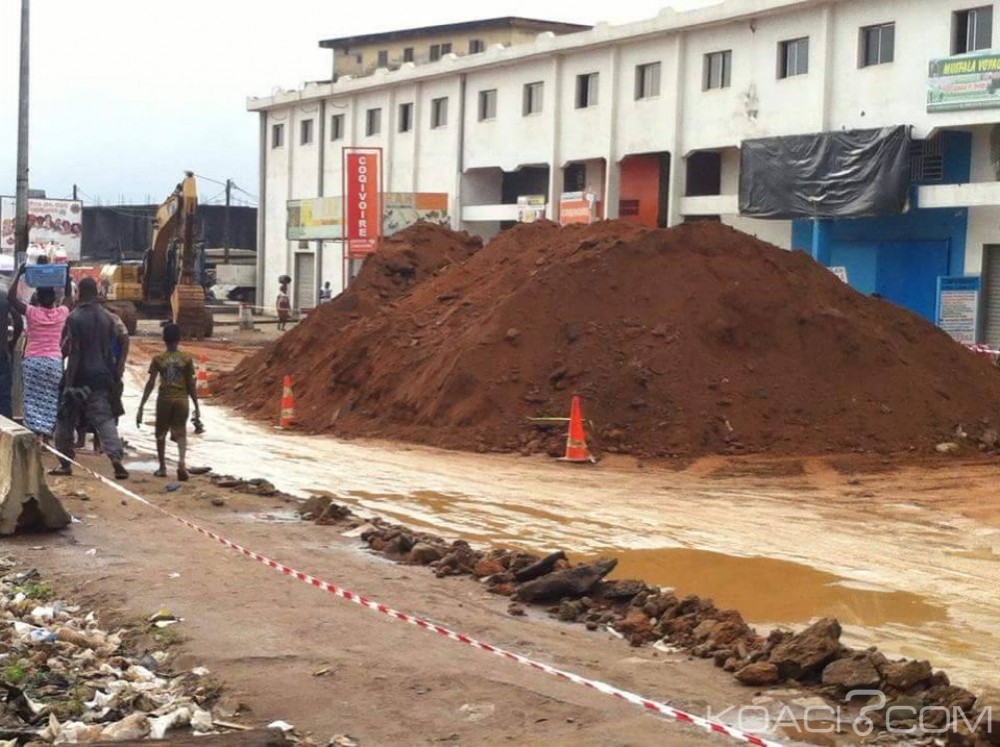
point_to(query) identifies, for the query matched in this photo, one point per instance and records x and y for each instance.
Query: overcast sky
(127, 94)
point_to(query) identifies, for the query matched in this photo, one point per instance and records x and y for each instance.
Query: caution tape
(653, 706)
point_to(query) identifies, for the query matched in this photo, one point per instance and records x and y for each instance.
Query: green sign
(964, 82)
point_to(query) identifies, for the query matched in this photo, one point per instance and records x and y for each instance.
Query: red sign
(362, 201)
(577, 207)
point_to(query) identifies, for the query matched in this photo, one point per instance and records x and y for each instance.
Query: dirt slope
(693, 340)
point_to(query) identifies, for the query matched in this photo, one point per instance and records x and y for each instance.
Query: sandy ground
(906, 556)
(268, 637)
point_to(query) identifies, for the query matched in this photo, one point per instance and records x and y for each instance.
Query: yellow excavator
(167, 284)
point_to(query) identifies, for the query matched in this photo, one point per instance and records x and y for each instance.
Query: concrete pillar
(677, 180)
(820, 248)
(555, 158)
(612, 166)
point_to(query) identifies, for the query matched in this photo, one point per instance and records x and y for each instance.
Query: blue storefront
(900, 257)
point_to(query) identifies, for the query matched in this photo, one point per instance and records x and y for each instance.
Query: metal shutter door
(991, 276)
(305, 281)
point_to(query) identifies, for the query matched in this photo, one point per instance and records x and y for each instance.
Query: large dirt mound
(693, 340)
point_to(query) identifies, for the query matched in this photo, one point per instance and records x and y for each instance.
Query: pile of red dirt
(694, 340)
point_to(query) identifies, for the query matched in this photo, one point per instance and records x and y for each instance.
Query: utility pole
(21, 213)
(74, 193)
(225, 231)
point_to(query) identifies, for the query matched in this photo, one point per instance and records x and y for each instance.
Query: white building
(650, 116)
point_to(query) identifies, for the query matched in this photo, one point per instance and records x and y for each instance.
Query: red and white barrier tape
(650, 705)
(981, 349)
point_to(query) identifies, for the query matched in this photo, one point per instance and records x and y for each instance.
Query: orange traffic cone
(204, 388)
(576, 439)
(287, 405)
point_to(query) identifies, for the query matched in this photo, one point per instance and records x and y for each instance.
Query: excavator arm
(170, 273)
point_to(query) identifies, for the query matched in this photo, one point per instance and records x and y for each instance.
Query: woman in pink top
(43, 360)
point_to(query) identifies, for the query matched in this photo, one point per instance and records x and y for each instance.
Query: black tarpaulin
(828, 175)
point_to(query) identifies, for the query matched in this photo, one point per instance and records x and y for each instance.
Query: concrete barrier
(26, 503)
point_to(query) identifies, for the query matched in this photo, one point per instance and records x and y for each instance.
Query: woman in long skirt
(43, 360)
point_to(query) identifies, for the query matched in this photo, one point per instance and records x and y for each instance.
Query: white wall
(835, 94)
(895, 93)
(512, 139)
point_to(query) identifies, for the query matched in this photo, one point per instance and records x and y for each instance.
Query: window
(533, 98)
(408, 54)
(439, 113)
(476, 46)
(383, 58)
(487, 105)
(878, 45)
(277, 135)
(439, 50)
(586, 90)
(405, 117)
(373, 122)
(926, 160)
(647, 80)
(704, 173)
(718, 70)
(306, 131)
(972, 30)
(574, 177)
(793, 57)
(337, 127)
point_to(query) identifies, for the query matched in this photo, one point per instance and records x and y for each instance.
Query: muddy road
(906, 558)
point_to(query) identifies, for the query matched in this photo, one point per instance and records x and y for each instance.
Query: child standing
(177, 383)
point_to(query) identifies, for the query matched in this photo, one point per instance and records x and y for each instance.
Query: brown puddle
(770, 590)
(764, 590)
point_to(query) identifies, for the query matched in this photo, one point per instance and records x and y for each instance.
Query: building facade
(363, 55)
(649, 117)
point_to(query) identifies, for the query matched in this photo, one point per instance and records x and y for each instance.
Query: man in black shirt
(7, 342)
(91, 376)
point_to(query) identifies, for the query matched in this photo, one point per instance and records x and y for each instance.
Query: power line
(209, 179)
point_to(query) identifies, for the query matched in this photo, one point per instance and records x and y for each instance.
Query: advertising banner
(958, 306)
(316, 218)
(577, 207)
(323, 217)
(530, 208)
(362, 200)
(964, 82)
(54, 227)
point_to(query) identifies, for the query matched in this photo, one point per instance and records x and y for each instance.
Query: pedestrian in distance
(43, 360)
(283, 307)
(10, 331)
(92, 376)
(326, 293)
(175, 369)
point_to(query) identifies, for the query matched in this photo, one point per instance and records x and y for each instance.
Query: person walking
(10, 331)
(175, 370)
(326, 293)
(91, 376)
(42, 361)
(284, 307)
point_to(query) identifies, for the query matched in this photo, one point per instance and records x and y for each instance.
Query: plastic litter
(126, 698)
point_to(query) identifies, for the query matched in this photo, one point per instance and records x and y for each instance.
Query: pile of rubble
(68, 681)
(813, 659)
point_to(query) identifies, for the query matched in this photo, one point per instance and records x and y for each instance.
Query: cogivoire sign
(362, 200)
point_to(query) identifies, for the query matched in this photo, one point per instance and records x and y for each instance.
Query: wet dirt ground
(907, 558)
